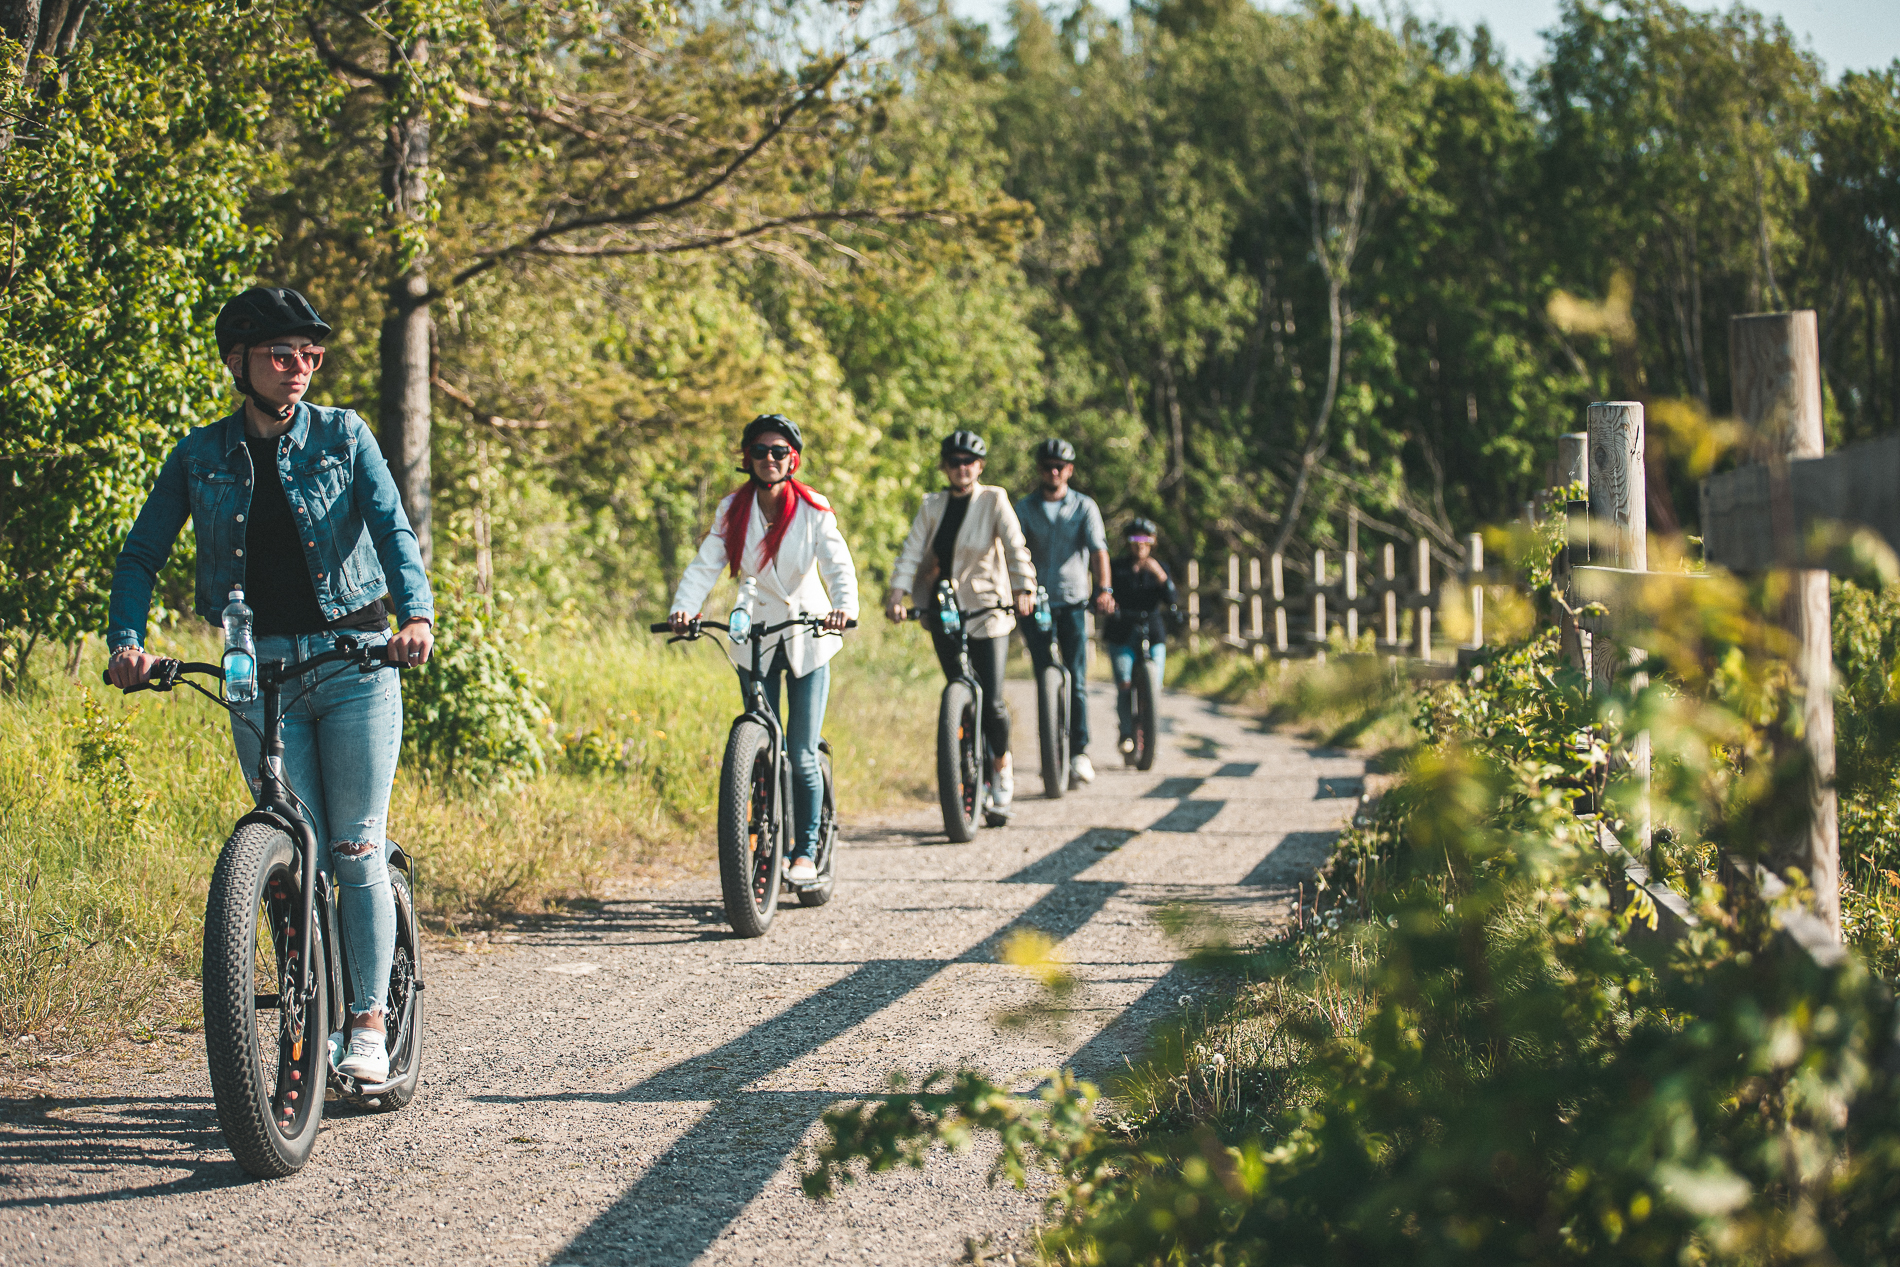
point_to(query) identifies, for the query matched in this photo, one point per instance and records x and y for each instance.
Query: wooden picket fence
(1338, 593)
(1791, 510)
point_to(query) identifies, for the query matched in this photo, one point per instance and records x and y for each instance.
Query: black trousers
(986, 657)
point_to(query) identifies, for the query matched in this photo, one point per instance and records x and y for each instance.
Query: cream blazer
(990, 563)
(811, 548)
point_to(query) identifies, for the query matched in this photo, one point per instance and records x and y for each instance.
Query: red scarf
(739, 517)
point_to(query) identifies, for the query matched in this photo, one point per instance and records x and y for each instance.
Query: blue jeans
(807, 696)
(1122, 659)
(340, 746)
(1069, 631)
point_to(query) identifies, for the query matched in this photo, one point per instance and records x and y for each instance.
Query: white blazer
(812, 547)
(990, 561)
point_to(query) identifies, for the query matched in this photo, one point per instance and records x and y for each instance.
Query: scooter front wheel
(960, 781)
(750, 856)
(268, 1052)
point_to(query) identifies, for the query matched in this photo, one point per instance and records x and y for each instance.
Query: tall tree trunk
(405, 400)
(405, 344)
(1316, 441)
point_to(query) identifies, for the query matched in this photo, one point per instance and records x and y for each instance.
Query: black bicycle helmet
(260, 314)
(772, 422)
(266, 312)
(964, 442)
(1139, 527)
(1055, 451)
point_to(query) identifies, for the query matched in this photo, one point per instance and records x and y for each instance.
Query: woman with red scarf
(779, 533)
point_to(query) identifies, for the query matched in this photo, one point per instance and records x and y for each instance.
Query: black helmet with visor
(1050, 451)
(257, 316)
(773, 422)
(964, 442)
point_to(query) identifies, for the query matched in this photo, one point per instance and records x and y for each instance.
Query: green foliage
(471, 715)
(1867, 756)
(103, 745)
(1476, 1051)
(120, 196)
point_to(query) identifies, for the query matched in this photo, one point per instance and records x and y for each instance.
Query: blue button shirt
(1061, 547)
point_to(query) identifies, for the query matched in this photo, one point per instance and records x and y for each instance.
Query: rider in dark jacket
(1144, 595)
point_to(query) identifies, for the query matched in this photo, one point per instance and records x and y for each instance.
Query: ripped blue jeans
(340, 746)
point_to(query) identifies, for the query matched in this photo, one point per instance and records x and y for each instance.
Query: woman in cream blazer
(779, 533)
(983, 554)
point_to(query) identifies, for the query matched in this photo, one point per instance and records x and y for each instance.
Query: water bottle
(240, 651)
(1045, 619)
(949, 618)
(739, 624)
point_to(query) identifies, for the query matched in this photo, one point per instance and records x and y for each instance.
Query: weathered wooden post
(1279, 602)
(1194, 604)
(1573, 467)
(1352, 575)
(1422, 621)
(1256, 623)
(1474, 584)
(1619, 508)
(1352, 597)
(1319, 598)
(1775, 367)
(1233, 600)
(1389, 573)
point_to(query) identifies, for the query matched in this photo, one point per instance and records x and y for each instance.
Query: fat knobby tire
(820, 893)
(244, 1074)
(1147, 725)
(405, 1001)
(1052, 731)
(751, 899)
(956, 732)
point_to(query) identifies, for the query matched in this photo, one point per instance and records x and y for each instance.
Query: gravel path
(633, 1085)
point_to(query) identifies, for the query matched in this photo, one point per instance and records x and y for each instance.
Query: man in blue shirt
(1064, 532)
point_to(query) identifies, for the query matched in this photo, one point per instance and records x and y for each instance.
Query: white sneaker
(802, 871)
(1003, 787)
(368, 1058)
(1081, 769)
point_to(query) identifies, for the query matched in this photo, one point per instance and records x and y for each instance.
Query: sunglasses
(284, 357)
(1053, 466)
(962, 459)
(777, 452)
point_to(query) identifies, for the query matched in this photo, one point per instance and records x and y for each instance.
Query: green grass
(103, 870)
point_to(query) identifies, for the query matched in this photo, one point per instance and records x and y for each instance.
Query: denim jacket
(358, 543)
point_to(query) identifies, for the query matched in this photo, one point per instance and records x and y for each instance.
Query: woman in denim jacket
(293, 504)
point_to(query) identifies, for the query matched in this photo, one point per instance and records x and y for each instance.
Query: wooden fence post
(1255, 617)
(1474, 577)
(1389, 573)
(1233, 600)
(1774, 364)
(1194, 604)
(1422, 620)
(1573, 467)
(1352, 596)
(1279, 603)
(1319, 599)
(1619, 505)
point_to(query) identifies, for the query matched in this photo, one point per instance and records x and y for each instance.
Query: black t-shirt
(944, 544)
(277, 584)
(1140, 601)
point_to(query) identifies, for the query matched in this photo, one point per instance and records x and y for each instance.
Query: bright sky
(1846, 34)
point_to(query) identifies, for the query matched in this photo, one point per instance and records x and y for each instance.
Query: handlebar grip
(850, 624)
(662, 627)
